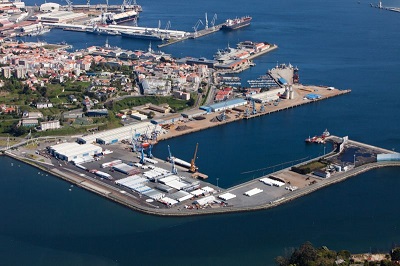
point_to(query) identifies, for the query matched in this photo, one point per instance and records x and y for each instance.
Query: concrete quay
(239, 113)
(193, 35)
(295, 185)
(273, 47)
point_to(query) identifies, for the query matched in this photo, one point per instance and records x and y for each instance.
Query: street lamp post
(324, 149)
(354, 160)
(217, 183)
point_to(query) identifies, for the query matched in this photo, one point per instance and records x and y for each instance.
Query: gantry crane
(196, 26)
(174, 171)
(213, 21)
(193, 167)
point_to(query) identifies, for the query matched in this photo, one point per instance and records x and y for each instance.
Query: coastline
(133, 202)
(129, 201)
(198, 125)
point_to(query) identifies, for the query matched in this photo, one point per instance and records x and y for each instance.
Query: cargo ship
(144, 36)
(233, 24)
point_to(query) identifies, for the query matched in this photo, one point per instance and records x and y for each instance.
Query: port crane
(213, 21)
(134, 141)
(149, 149)
(168, 25)
(196, 26)
(69, 5)
(174, 171)
(253, 103)
(193, 167)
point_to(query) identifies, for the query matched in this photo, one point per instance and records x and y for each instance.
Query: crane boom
(193, 167)
(173, 170)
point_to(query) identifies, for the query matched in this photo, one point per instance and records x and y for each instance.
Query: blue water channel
(345, 44)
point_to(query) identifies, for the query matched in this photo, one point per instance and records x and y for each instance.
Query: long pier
(194, 35)
(294, 105)
(268, 196)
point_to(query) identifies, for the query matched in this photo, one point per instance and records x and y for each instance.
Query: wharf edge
(124, 200)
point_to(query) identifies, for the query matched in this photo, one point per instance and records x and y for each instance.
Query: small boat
(311, 140)
(318, 139)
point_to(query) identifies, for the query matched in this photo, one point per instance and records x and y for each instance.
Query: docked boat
(326, 133)
(145, 36)
(233, 24)
(318, 139)
(40, 31)
(99, 31)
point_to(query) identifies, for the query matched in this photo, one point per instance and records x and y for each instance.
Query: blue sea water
(345, 44)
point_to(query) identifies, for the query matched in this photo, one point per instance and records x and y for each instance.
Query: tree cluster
(308, 255)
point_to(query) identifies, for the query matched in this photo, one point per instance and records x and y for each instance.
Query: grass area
(313, 165)
(309, 167)
(206, 96)
(126, 103)
(3, 142)
(65, 130)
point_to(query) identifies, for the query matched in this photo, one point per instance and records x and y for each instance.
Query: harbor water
(344, 44)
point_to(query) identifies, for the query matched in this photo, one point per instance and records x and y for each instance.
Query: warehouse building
(193, 113)
(121, 133)
(74, 152)
(49, 7)
(267, 96)
(60, 17)
(227, 104)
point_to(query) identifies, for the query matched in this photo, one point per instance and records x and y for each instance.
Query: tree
(395, 254)
(304, 255)
(344, 254)
(18, 130)
(191, 102)
(151, 115)
(282, 261)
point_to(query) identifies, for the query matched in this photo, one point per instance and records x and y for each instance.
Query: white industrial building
(253, 192)
(272, 182)
(193, 113)
(74, 152)
(227, 196)
(205, 200)
(227, 105)
(50, 125)
(132, 182)
(121, 133)
(139, 116)
(49, 7)
(60, 17)
(181, 196)
(268, 96)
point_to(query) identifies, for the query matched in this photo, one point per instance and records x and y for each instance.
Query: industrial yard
(199, 120)
(161, 187)
(118, 163)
